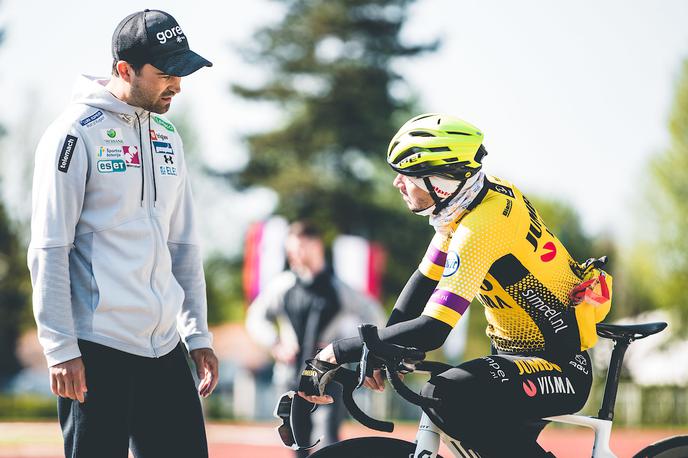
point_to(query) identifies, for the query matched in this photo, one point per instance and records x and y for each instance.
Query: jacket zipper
(155, 229)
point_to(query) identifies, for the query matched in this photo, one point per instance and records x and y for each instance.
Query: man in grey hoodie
(114, 257)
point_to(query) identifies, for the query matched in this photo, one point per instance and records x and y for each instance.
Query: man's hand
(285, 351)
(206, 368)
(68, 379)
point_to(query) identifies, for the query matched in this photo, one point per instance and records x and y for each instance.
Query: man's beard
(147, 102)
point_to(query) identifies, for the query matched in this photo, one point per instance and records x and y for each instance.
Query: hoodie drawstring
(143, 175)
(150, 144)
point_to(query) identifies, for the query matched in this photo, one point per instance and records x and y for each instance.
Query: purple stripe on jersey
(436, 256)
(451, 300)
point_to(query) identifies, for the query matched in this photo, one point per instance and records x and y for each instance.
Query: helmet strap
(441, 204)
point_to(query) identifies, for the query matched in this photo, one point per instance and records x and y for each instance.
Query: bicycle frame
(428, 441)
(429, 436)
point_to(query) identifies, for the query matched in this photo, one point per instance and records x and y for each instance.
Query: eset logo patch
(452, 264)
(112, 166)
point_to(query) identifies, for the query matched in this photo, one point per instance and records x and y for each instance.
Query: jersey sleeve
(435, 257)
(482, 237)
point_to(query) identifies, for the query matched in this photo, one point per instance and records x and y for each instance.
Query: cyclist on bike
(491, 244)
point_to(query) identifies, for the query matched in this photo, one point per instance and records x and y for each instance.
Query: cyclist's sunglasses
(291, 406)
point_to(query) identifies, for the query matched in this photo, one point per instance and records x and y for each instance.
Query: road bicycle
(392, 358)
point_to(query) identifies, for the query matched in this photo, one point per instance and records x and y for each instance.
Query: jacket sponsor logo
(106, 151)
(168, 170)
(131, 156)
(580, 363)
(551, 252)
(112, 166)
(113, 136)
(529, 388)
(172, 32)
(67, 153)
(169, 159)
(507, 207)
(163, 148)
(533, 365)
(95, 116)
(163, 123)
(534, 300)
(452, 264)
(548, 384)
(495, 369)
(158, 136)
(536, 225)
(494, 302)
(503, 190)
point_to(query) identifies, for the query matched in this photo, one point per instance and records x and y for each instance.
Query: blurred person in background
(114, 257)
(303, 309)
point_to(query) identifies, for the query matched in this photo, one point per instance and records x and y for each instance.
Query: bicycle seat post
(613, 374)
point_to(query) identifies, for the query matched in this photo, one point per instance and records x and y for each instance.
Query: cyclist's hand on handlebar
(377, 381)
(314, 379)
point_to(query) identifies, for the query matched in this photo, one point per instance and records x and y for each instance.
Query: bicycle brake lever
(363, 367)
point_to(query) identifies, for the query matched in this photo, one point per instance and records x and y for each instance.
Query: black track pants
(148, 404)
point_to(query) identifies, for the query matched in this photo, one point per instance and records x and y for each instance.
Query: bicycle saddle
(629, 331)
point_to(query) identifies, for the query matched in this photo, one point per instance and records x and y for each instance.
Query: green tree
(14, 289)
(668, 193)
(329, 63)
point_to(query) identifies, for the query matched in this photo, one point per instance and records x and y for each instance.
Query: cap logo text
(170, 33)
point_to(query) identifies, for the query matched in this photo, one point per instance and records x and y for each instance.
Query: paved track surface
(43, 440)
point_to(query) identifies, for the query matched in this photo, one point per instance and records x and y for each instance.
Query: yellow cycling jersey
(501, 251)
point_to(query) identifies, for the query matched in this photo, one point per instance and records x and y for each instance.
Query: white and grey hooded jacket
(114, 255)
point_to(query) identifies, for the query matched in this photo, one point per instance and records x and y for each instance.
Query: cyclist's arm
(412, 299)
(481, 238)
(424, 332)
(422, 282)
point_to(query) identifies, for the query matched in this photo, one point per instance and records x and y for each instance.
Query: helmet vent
(420, 133)
(405, 154)
(451, 159)
(439, 149)
(453, 132)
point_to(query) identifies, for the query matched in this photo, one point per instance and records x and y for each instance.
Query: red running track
(42, 440)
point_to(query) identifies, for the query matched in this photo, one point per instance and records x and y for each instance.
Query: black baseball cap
(154, 37)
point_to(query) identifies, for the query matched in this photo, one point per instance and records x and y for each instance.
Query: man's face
(304, 253)
(153, 90)
(416, 198)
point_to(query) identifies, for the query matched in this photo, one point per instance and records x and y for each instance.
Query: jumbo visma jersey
(501, 252)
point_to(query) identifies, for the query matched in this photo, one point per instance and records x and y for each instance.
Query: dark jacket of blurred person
(304, 308)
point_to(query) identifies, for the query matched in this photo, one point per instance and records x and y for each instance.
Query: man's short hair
(305, 228)
(137, 68)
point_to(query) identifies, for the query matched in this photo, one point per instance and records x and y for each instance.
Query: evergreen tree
(669, 198)
(329, 63)
(14, 290)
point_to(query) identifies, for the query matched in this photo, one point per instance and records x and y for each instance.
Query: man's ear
(125, 70)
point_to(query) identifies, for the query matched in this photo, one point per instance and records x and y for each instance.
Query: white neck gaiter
(444, 188)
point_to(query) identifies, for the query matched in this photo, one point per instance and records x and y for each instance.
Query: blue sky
(573, 97)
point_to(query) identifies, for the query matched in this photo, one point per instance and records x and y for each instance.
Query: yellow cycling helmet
(435, 144)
